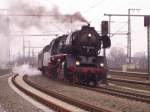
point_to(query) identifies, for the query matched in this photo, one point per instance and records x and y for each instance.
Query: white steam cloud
(26, 69)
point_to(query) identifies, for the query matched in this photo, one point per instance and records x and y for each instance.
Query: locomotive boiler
(75, 57)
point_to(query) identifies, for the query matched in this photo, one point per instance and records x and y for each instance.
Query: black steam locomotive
(75, 57)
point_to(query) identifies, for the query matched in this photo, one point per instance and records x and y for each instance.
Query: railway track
(121, 93)
(43, 101)
(143, 97)
(130, 75)
(84, 106)
(130, 83)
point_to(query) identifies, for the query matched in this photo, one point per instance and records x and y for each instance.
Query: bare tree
(140, 60)
(116, 57)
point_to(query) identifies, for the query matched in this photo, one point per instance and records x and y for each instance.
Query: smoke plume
(34, 15)
(26, 15)
(67, 17)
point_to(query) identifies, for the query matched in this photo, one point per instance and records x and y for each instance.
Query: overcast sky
(93, 11)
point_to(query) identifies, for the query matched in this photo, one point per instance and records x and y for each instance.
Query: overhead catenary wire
(95, 5)
(120, 28)
(101, 15)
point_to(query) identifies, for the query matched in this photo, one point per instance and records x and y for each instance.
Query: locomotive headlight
(58, 60)
(89, 35)
(77, 63)
(101, 64)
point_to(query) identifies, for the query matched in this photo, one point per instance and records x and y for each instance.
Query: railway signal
(104, 31)
(147, 21)
(104, 27)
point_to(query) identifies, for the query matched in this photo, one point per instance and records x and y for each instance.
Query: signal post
(147, 24)
(104, 30)
(148, 43)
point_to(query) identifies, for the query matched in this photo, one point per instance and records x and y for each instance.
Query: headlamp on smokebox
(58, 60)
(101, 64)
(89, 35)
(77, 63)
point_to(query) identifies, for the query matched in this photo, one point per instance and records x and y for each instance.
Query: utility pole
(148, 49)
(129, 60)
(8, 33)
(147, 24)
(23, 49)
(33, 52)
(71, 25)
(29, 48)
(129, 38)
(8, 23)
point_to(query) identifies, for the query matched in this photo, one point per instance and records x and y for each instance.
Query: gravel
(12, 102)
(4, 71)
(113, 103)
(126, 77)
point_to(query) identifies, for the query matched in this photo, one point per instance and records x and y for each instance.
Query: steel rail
(120, 93)
(69, 100)
(129, 81)
(47, 103)
(128, 74)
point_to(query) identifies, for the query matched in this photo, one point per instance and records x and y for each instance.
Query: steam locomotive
(75, 57)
